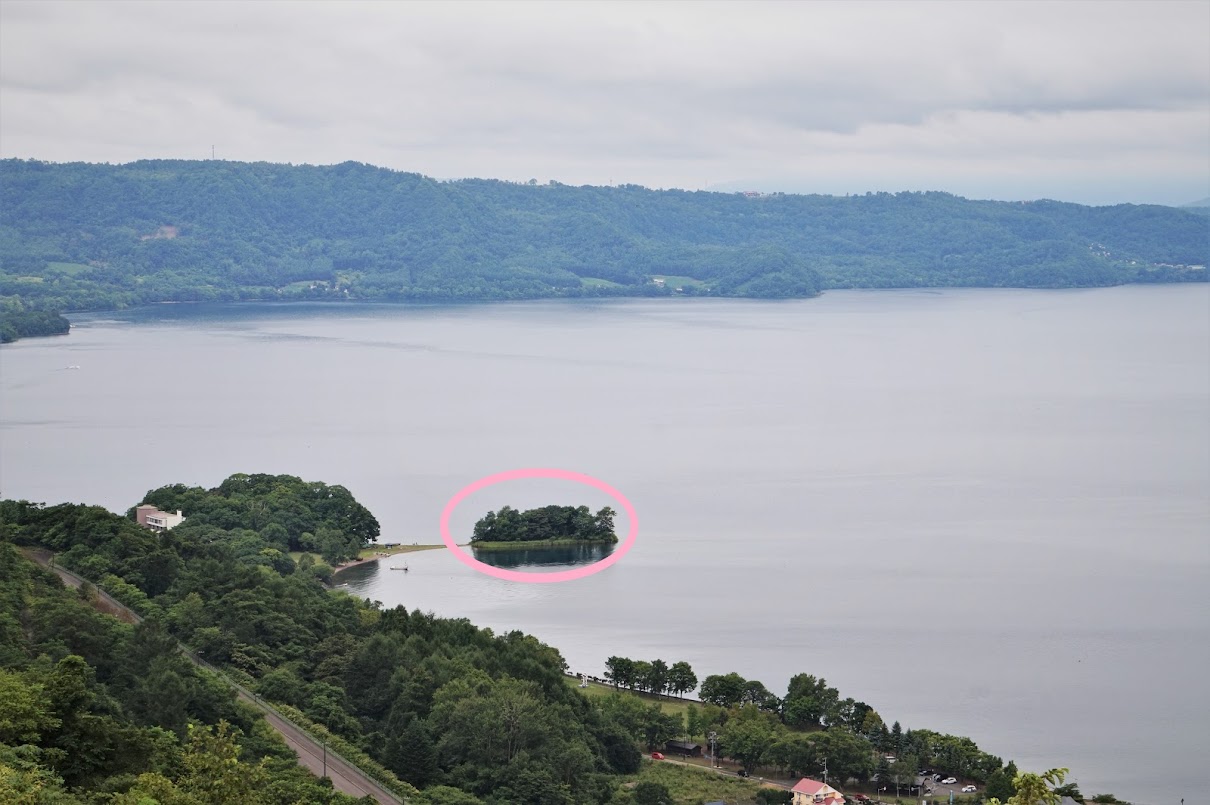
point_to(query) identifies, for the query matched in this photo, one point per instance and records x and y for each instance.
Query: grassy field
(596, 689)
(375, 552)
(693, 786)
(595, 282)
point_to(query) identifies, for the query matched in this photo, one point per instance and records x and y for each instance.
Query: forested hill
(85, 236)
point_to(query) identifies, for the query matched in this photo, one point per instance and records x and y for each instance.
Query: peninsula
(549, 526)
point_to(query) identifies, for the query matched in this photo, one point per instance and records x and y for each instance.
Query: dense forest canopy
(17, 323)
(548, 523)
(87, 236)
(93, 710)
(273, 514)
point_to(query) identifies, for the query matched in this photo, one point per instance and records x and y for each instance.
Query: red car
(656, 756)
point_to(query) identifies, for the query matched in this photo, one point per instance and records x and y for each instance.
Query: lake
(984, 512)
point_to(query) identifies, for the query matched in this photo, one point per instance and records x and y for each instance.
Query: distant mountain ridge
(89, 236)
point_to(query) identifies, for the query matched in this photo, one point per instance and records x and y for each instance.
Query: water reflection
(563, 555)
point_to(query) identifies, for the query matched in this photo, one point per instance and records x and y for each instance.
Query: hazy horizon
(1079, 102)
(724, 188)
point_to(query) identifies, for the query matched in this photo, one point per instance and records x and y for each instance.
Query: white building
(151, 517)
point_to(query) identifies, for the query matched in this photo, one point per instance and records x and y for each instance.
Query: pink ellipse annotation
(538, 578)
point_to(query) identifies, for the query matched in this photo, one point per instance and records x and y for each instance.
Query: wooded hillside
(84, 236)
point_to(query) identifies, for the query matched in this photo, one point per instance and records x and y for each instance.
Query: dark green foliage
(127, 720)
(16, 324)
(437, 700)
(412, 755)
(1070, 790)
(546, 523)
(649, 793)
(1000, 785)
(261, 512)
(771, 796)
(471, 716)
(80, 236)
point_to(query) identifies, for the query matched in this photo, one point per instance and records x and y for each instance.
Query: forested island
(94, 709)
(547, 526)
(84, 236)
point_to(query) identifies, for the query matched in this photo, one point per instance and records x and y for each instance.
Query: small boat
(404, 568)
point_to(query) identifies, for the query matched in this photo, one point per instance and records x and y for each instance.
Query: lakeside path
(312, 754)
(375, 553)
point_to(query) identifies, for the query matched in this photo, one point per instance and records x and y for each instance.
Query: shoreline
(376, 555)
(532, 544)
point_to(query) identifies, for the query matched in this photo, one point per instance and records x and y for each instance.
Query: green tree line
(546, 523)
(93, 710)
(17, 323)
(467, 715)
(652, 677)
(87, 237)
(463, 714)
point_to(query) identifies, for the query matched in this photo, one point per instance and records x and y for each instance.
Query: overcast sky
(1096, 102)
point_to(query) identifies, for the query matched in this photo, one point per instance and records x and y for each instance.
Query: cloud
(658, 94)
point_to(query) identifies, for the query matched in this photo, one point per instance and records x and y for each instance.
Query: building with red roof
(813, 792)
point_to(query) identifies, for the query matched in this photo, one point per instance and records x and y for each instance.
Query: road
(767, 782)
(312, 755)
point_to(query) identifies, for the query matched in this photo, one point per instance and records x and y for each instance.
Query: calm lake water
(559, 557)
(984, 512)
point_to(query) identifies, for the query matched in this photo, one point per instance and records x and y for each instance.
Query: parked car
(861, 798)
(656, 756)
(742, 772)
(936, 778)
(949, 781)
(969, 789)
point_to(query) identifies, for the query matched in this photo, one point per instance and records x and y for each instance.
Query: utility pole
(825, 771)
(212, 152)
(713, 736)
(325, 758)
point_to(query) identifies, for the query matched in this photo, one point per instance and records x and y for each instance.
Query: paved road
(346, 778)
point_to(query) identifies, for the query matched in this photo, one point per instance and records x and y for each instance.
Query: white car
(969, 789)
(949, 781)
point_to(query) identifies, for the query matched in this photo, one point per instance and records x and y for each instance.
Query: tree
(681, 678)
(642, 675)
(725, 690)
(619, 671)
(25, 713)
(660, 727)
(808, 701)
(657, 677)
(1035, 789)
(747, 740)
(650, 793)
(693, 722)
(1069, 790)
(902, 772)
(755, 693)
(412, 755)
(871, 726)
(1000, 785)
(213, 771)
